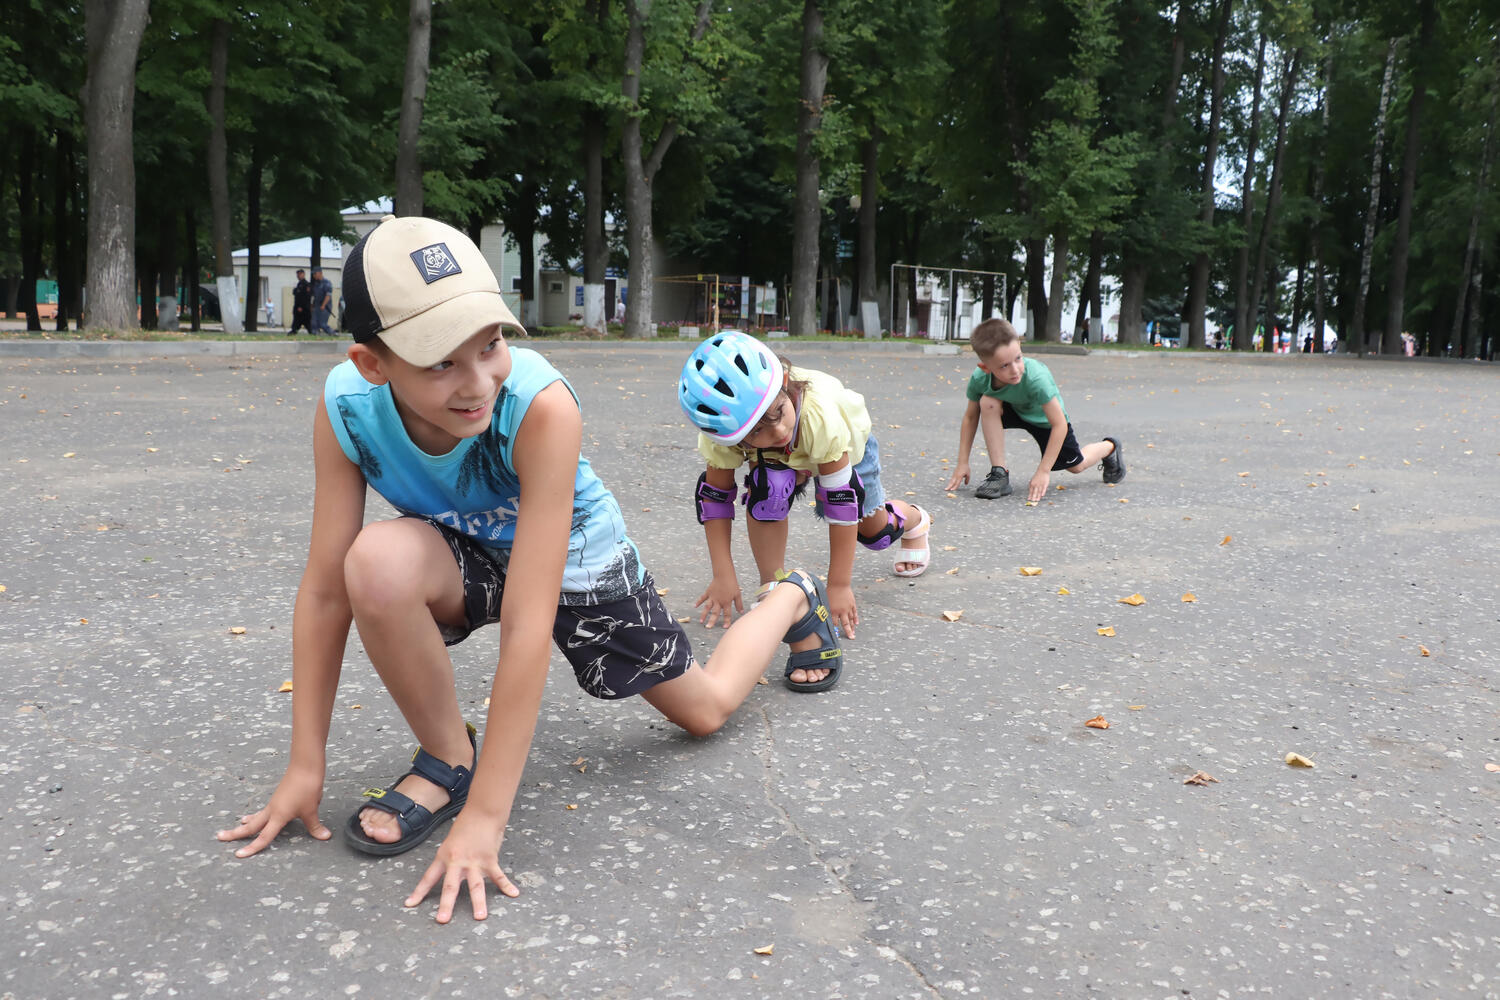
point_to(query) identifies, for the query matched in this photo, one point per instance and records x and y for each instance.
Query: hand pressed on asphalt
(469, 856)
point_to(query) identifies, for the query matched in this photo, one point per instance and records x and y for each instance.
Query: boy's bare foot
(811, 642)
(383, 826)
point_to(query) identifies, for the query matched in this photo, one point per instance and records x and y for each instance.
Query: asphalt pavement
(1314, 540)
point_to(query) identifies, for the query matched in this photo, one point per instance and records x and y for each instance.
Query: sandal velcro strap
(407, 812)
(817, 622)
(415, 821)
(427, 766)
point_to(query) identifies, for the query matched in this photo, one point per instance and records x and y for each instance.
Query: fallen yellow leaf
(1226, 539)
(1355, 507)
(1064, 591)
(952, 496)
(765, 950)
(662, 591)
(571, 805)
(356, 706)
(152, 450)
(1030, 570)
(1135, 708)
(1107, 630)
(1134, 600)
(1097, 722)
(83, 621)
(952, 616)
(683, 619)
(2, 588)
(1425, 650)
(70, 454)
(1189, 598)
(1297, 760)
(950, 548)
(1242, 475)
(237, 630)
(1201, 778)
(1492, 767)
(951, 571)
(1030, 503)
(1124, 499)
(1059, 486)
(285, 687)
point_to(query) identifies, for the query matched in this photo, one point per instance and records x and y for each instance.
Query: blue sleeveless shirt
(474, 489)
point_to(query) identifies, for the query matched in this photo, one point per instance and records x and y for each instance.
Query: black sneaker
(1114, 463)
(996, 484)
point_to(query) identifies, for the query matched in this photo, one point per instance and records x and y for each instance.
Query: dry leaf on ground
(1135, 708)
(285, 687)
(951, 571)
(1190, 598)
(1134, 600)
(1425, 650)
(1297, 760)
(952, 616)
(237, 630)
(1124, 499)
(1107, 630)
(1030, 570)
(1064, 591)
(1226, 539)
(1492, 767)
(766, 950)
(1201, 778)
(952, 496)
(662, 591)
(1097, 722)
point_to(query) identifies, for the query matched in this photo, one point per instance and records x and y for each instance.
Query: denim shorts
(617, 649)
(868, 470)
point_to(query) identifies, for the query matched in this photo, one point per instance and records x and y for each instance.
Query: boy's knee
(702, 724)
(378, 568)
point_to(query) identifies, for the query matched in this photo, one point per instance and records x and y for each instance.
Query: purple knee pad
(769, 487)
(895, 527)
(712, 503)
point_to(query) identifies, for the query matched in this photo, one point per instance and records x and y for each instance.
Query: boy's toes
(380, 826)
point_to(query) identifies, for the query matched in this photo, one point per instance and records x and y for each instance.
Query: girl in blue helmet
(790, 425)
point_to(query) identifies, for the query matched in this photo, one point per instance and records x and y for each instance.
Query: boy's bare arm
(320, 627)
(966, 430)
(1037, 488)
(546, 460)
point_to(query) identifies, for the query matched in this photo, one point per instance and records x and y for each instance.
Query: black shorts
(1070, 455)
(617, 649)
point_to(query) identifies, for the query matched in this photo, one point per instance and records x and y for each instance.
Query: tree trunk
(1474, 340)
(1319, 160)
(218, 178)
(62, 180)
(639, 171)
(113, 38)
(1471, 245)
(595, 250)
(1367, 246)
(1036, 287)
(31, 227)
(808, 209)
(1395, 314)
(1198, 284)
(1132, 301)
(413, 96)
(194, 271)
(253, 301)
(1053, 330)
(869, 192)
(1092, 287)
(1268, 218)
(1244, 318)
(166, 295)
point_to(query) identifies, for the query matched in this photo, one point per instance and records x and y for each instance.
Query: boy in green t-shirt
(1007, 390)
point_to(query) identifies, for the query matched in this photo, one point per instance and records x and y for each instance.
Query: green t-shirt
(1027, 397)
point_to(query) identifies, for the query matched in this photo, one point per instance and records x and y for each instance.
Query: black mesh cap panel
(360, 318)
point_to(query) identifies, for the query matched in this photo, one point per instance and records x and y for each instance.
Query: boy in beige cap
(477, 445)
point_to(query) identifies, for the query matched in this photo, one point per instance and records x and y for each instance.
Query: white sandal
(918, 557)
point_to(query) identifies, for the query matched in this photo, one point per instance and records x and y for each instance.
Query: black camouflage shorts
(617, 649)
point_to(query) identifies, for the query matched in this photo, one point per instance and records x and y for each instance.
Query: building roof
(299, 249)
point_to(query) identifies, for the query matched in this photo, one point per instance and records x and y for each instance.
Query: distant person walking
(322, 298)
(301, 305)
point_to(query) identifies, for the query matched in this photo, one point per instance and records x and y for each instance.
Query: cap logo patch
(435, 262)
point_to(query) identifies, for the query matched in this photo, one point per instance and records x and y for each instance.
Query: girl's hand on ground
(296, 797)
(720, 600)
(960, 476)
(469, 856)
(1038, 487)
(841, 606)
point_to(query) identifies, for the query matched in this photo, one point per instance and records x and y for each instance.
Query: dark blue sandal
(817, 622)
(416, 821)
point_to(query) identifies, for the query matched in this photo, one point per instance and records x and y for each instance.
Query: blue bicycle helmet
(728, 384)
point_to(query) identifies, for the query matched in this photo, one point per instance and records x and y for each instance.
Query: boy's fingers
(267, 834)
(424, 886)
(504, 884)
(315, 826)
(477, 901)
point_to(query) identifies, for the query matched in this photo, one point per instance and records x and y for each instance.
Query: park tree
(667, 90)
(113, 38)
(408, 199)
